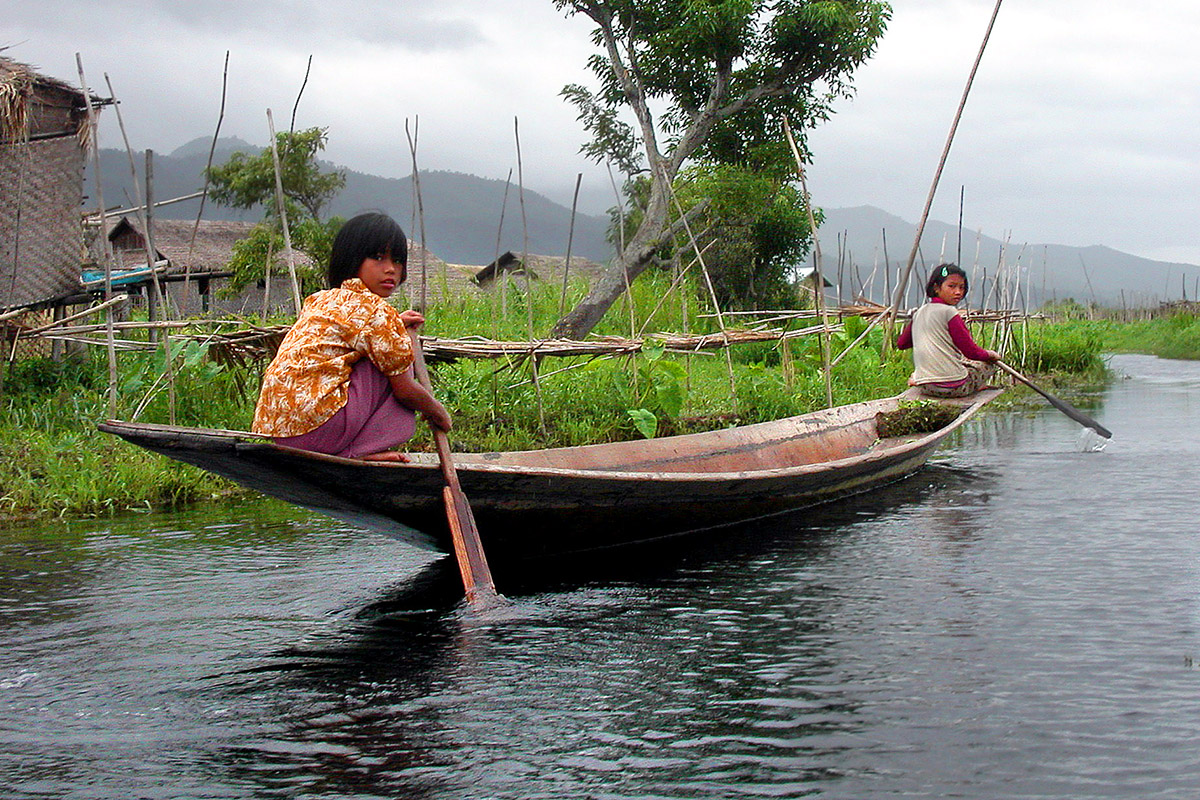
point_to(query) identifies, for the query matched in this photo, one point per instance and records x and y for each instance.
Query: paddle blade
(472, 563)
(1063, 406)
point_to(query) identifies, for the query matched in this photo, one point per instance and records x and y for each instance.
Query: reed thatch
(536, 268)
(41, 172)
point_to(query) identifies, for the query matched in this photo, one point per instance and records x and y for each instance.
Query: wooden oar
(1066, 408)
(468, 550)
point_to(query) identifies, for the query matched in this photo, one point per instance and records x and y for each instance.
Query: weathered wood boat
(542, 503)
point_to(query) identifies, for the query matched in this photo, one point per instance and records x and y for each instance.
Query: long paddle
(468, 550)
(1066, 408)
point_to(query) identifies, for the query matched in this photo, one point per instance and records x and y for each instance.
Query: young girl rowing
(947, 362)
(342, 381)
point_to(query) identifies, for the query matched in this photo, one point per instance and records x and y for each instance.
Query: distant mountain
(1049, 271)
(461, 212)
(462, 216)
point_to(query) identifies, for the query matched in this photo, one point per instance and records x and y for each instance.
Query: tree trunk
(580, 320)
(638, 254)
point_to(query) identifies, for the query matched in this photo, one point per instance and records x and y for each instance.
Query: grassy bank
(53, 461)
(1177, 336)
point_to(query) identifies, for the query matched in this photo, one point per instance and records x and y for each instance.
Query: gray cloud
(408, 24)
(1080, 128)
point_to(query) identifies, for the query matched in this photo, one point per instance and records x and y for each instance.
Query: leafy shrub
(45, 376)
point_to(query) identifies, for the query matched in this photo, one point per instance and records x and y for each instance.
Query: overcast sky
(1081, 128)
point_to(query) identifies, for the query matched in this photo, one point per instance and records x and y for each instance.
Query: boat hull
(550, 503)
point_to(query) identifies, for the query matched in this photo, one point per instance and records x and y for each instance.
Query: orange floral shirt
(306, 383)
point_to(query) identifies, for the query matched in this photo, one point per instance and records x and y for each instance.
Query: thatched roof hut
(206, 259)
(443, 281)
(538, 268)
(43, 133)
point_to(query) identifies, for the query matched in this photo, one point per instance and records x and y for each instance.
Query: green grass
(1176, 336)
(53, 460)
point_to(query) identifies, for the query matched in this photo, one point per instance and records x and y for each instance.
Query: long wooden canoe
(538, 503)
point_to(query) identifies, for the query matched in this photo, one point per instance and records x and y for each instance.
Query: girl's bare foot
(387, 455)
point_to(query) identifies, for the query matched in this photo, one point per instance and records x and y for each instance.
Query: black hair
(362, 237)
(940, 273)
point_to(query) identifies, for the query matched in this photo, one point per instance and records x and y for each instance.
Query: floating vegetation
(914, 417)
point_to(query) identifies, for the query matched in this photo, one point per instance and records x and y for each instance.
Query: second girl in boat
(946, 360)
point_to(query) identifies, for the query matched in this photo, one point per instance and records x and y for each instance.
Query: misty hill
(462, 216)
(462, 212)
(1049, 271)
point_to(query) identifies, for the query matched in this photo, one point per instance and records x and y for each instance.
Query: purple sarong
(372, 420)
(979, 375)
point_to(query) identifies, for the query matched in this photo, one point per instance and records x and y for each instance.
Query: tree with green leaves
(706, 80)
(246, 181)
(264, 243)
(751, 225)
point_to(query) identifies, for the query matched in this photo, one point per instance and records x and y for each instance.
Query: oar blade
(477, 580)
(1063, 406)
(1077, 415)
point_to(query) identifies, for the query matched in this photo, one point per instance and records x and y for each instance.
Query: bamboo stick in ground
(144, 207)
(818, 280)
(533, 362)
(212, 149)
(562, 302)
(712, 292)
(108, 254)
(168, 357)
(281, 207)
(496, 260)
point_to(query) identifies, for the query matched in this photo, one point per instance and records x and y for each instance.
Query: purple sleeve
(963, 341)
(905, 340)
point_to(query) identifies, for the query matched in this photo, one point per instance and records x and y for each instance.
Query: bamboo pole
(496, 261)
(902, 286)
(303, 84)
(156, 299)
(212, 149)
(887, 271)
(533, 361)
(621, 251)
(562, 302)
(266, 306)
(108, 254)
(818, 278)
(280, 206)
(151, 250)
(168, 356)
(712, 292)
(890, 316)
(85, 313)
(420, 209)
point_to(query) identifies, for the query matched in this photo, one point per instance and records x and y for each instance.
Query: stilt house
(43, 140)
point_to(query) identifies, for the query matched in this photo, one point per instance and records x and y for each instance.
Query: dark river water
(1019, 620)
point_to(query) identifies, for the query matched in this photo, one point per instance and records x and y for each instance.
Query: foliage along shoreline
(55, 463)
